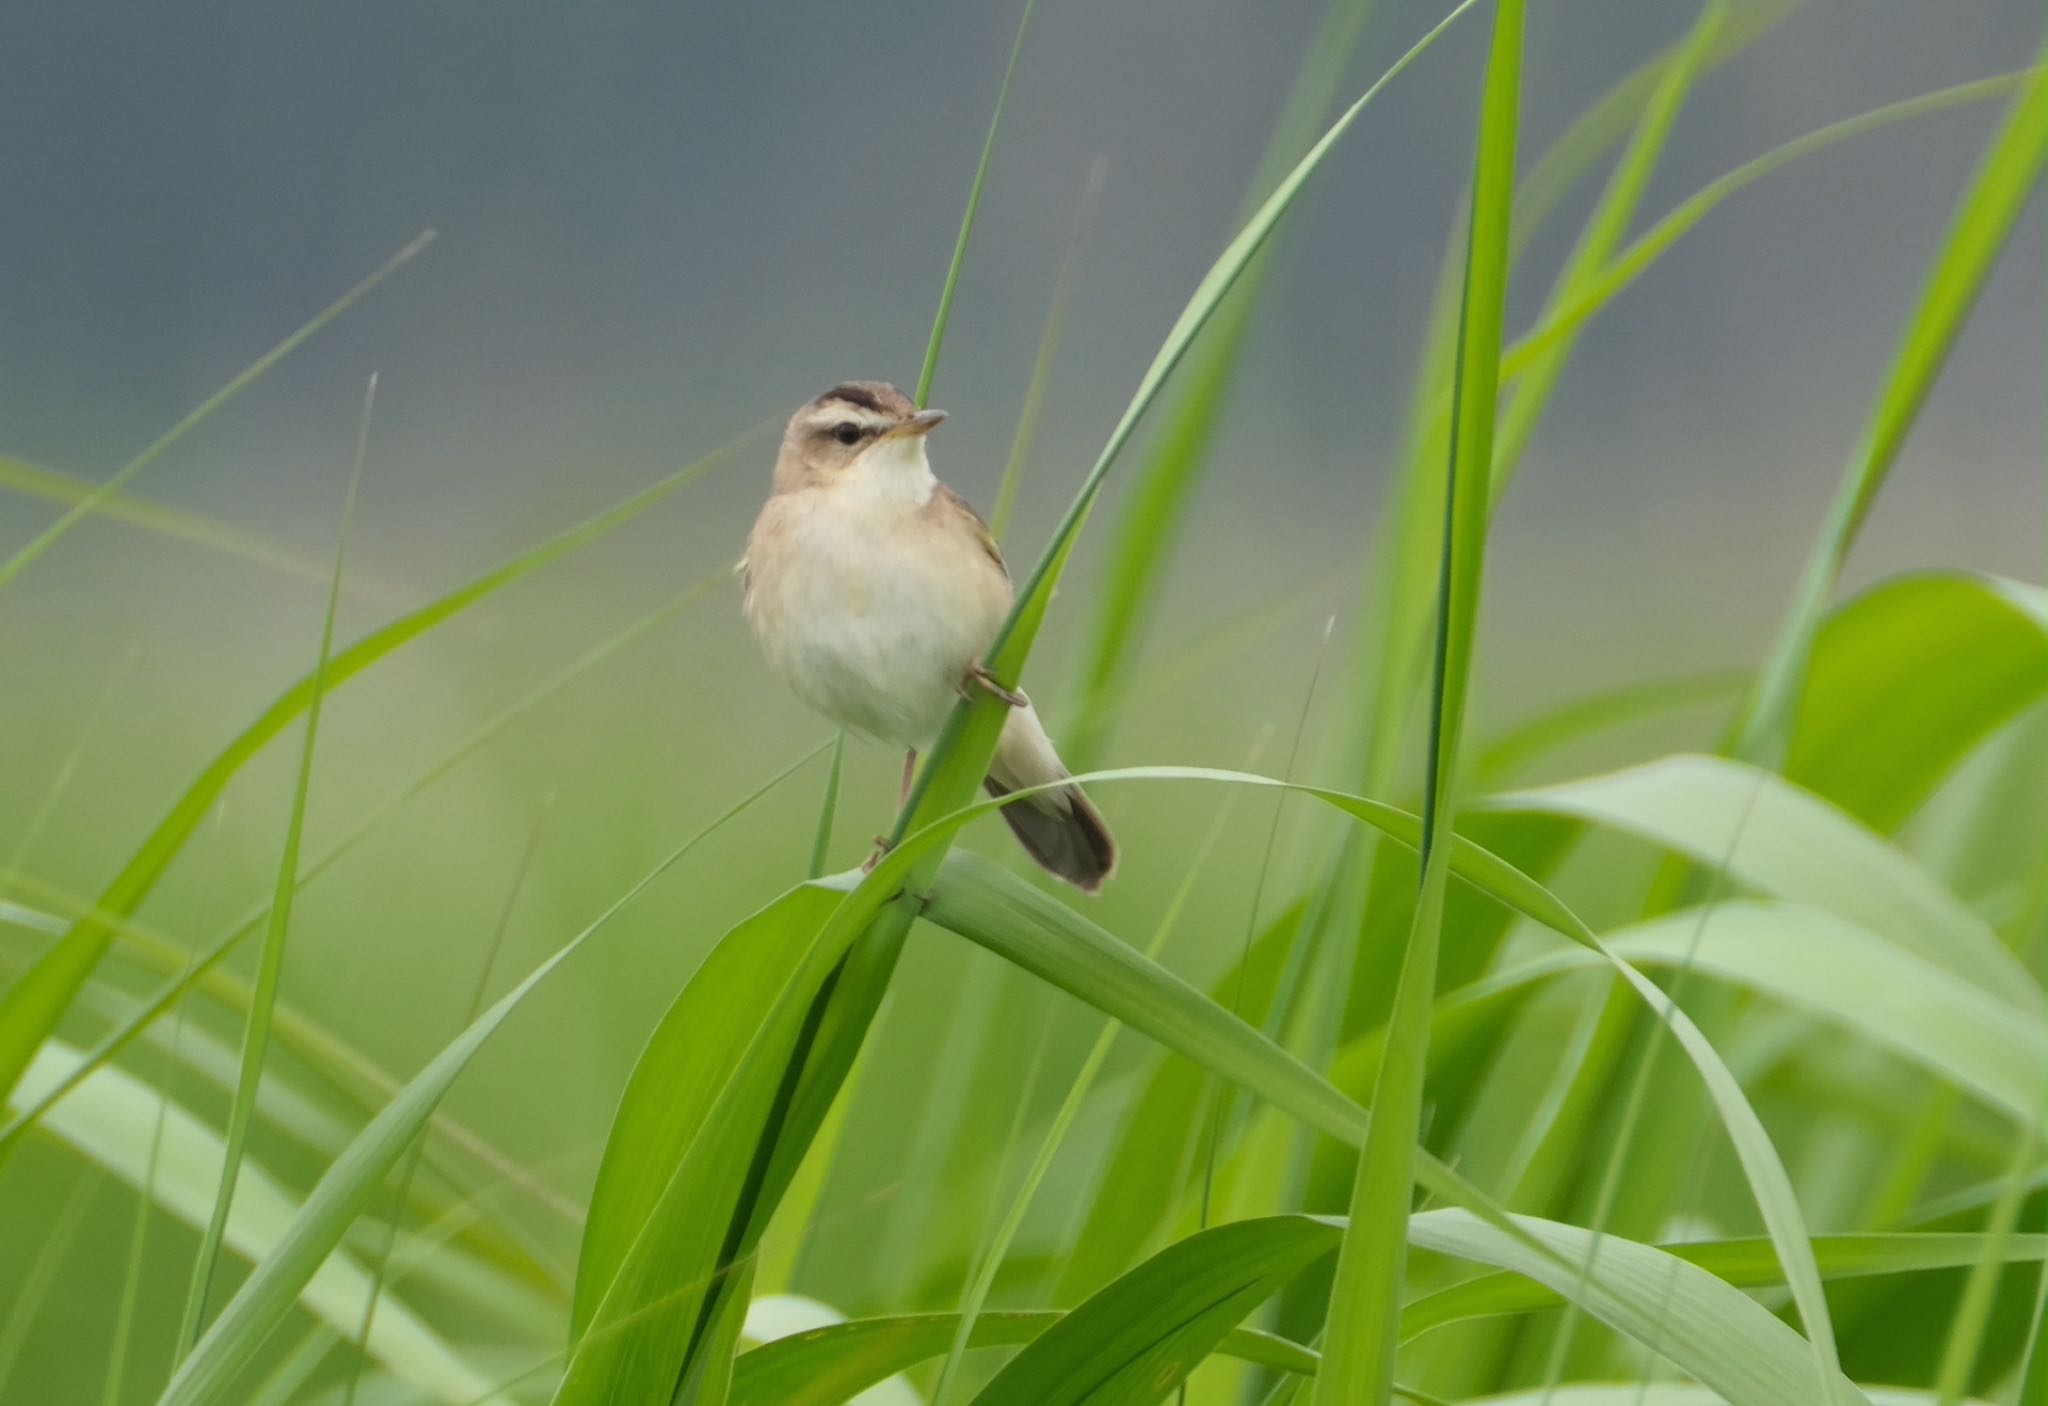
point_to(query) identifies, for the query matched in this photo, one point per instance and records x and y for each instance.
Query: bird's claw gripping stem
(979, 677)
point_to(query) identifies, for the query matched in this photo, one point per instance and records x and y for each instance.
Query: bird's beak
(922, 423)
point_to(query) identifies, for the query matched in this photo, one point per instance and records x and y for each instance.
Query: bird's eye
(846, 432)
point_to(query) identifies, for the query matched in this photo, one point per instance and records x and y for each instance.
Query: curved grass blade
(1143, 1334)
(359, 1080)
(1771, 836)
(1148, 535)
(1744, 1263)
(1365, 1300)
(105, 492)
(1709, 1328)
(33, 1003)
(1907, 679)
(270, 968)
(829, 1366)
(1655, 242)
(266, 1297)
(1816, 962)
(111, 1121)
(1998, 192)
(1115, 980)
(998, 1248)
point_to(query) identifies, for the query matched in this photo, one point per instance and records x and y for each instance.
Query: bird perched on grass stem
(876, 591)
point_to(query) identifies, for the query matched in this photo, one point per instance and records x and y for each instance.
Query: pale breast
(873, 617)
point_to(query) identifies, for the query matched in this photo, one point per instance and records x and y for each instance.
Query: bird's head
(858, 429)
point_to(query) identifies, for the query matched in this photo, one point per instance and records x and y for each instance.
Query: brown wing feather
(945, 500)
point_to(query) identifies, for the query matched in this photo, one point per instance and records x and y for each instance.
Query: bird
(875, 591)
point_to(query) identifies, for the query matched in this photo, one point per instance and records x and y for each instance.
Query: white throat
(894, 473)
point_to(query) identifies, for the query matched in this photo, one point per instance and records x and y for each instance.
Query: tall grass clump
(1712, 1073)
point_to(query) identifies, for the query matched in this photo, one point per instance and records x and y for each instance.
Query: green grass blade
(988, 148)
(1818, 963)
(1658, 240)
(1906, 680)
(1020, 914)
(1998, 193)
(1028, 413)
(1146, 538)
(1144, 1333)
(998, 1247)
(829, 1366)
(1709, 1328)
(961, 757)
(828, 808)
(1520, 747)
(1744, 1263)
(35, 481)
(1365, 1301)
(33, 1295)
(1973, 1311)
(1771, 836)
(1600, 238)
(112, 1122)
(92, 502)
(270, 968)
(358, 1079)
(345, 1188)
(32, 1004)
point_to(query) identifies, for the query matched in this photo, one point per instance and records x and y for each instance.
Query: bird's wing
(945, 501)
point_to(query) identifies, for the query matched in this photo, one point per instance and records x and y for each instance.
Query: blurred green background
(659, 226)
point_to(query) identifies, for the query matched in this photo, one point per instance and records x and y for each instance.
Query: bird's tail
(1060, 828)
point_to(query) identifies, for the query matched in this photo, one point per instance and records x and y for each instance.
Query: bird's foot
(882, 847)
(978, 677)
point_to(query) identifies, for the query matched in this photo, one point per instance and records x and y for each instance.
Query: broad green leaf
(1822, 964)
(345, 1188)
(34, 1002)
(111, 1119)
(1816, 962)
(1774, 837)
(827, 1366)
(1141, 1336)
(680, 1073)
(1707, 1327)
(1906, 680)
(1365, 1299)
(1746, 1263)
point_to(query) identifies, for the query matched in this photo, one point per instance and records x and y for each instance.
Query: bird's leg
(978, 676)
(909, 770)
(882, 847)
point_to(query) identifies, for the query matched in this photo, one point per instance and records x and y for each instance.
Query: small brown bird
(876, 591)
